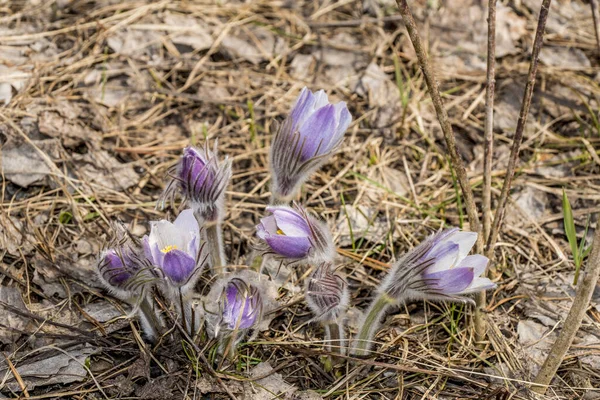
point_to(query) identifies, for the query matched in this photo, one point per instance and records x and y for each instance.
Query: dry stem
(486, 206)
(442, 115)
(514, 152)
(573, 321)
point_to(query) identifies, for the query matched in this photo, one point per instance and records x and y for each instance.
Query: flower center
(169, 248)
(280, 232)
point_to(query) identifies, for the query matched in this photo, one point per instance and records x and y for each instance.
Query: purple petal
(343, 119)
(267, 226)
(303, 108)
(445, 256)
(317, 132)
(178, 266)
(477, 262)
(291, 247)
(452, 281)
(291, 222)
(115, 273)
(321, 99)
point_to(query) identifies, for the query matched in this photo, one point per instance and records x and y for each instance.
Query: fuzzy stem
(377, 309)
(574, 318)
(154, 323)
(334, 335)
(214, 239)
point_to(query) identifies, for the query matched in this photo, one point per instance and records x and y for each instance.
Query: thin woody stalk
(486, 206)
(574, 318)
(518, 138)
(442, 115)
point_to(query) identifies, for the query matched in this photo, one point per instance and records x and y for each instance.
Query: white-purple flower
(293, 234)
(241, 305)
(439, 269)
(176, 249)
(311, 133)
(201, 179)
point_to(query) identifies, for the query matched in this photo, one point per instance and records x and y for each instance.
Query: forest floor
(99, 98)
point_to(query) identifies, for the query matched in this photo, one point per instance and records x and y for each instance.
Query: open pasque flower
(176, 250)
(202, 179)
(309, 135)
(293, 234)
(439, 269)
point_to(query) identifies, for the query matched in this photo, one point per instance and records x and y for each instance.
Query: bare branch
(518, 138)
(442, 115)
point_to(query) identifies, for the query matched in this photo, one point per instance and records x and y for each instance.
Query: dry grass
(120, 117)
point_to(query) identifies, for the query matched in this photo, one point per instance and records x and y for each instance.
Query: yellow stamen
(280, 232)
(169, 248)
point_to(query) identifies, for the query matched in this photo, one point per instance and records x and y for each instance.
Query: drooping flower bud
(294, 235)
(201, 179)
(176, 249)
(439, 269)
(123, 269)
(241, 305)
(327, 294)
(307, 138)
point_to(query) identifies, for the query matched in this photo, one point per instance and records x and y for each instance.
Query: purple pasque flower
(291, 233)
(313, 130)
(439, 269)
(201, 179)
(176, 249)
(241, 305)
(123, 269)
(327, 293)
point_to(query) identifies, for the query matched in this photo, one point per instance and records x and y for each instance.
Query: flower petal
(321, 99)
(465, 241)
(291, 247)
(187, 222)
(344, 118)
(290, 222)
(477, 262)
(267, 226)
(452, 281)
(178, 266)
(479, 284)
(445, 255)
(317, 131)
(303, 108)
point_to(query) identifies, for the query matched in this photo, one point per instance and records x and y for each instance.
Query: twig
(596, 18)
(442, 115)
(574, 318)
(486, 206)
(514, 152)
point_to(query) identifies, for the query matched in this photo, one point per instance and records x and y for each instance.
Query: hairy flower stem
(151, 321)
(334, 335)
(378, 307)
(214, 239)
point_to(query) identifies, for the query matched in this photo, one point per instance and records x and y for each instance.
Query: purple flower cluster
(173, 256)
